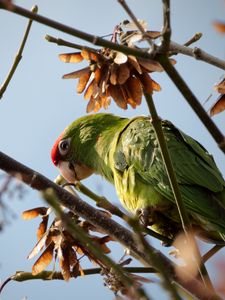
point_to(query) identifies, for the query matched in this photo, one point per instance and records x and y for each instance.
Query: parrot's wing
(198, 177)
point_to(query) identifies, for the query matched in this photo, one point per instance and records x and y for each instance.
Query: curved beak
(74, 171)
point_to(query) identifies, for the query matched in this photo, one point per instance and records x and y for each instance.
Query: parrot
(126, 153)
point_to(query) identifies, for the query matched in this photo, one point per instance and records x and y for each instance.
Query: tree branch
(138, 25)
(211, 252)
(193, 39)
(102, 42)
(192, 100)
(21, 276)
(162, 59)
(166, 32)
(156, 122)
(18, 56)
(61, 42)
(198, 54)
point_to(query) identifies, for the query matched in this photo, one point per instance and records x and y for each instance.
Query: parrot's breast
(136, 194)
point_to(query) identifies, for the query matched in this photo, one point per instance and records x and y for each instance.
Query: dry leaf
(135, 90)
(44, 260)
(146, 82)
(156, 87)
(104, 79)
(123, 73)
(220, 87)
(153, 34)
(71, 57)
(98, 75)
(91, 105)
(219, 26)
(117, 94)
(91, 56)
(133, 61)
(89, 90)
(39, 246)
(64, 263)
(97, 105)
(82, 82)
(35, 212)
(42, 228)
(77, 74)
(150, 65)
(113, 74)
(105, 102)
(120, 58)
(219, 106)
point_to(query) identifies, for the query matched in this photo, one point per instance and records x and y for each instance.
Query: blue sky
(38, 105)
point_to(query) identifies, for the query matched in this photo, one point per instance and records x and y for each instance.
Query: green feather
(126, 153)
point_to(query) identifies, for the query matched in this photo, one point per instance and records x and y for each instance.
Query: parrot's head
(67, 154)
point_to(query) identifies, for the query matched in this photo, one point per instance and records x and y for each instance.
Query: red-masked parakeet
(126, 153)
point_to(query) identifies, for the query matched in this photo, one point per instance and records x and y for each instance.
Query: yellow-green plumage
(126, 153)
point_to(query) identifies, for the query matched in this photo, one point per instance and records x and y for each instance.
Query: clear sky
(38, 104)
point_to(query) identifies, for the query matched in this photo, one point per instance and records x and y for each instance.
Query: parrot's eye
(64, 146)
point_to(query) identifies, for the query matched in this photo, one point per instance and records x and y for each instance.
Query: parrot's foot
(159, 224)
(146, 216)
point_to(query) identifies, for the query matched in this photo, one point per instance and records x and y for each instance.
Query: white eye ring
(64, 146)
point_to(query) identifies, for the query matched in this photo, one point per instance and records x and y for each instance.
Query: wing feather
(197, 174)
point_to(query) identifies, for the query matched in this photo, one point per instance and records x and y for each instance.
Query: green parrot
(126, 153)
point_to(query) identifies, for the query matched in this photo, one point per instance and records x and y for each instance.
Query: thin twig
(18, 56)
(193, 39)
(192, 100)
(21, 276)
(4, 284)
(166, 32)
(61, 42)
(138, 25)
(186, 224)
(104, 43)
(49, 275)
(198, 54)
(211, 252)
(156, 122)
(95, 40)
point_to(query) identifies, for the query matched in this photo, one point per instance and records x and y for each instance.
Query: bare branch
(212, 252)
(198, 54)
(61, 42)
(104, 43)
(166, 32)
(192, 100)
(21, 276)
(137, 23)
(18, 56)
(193, 39)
